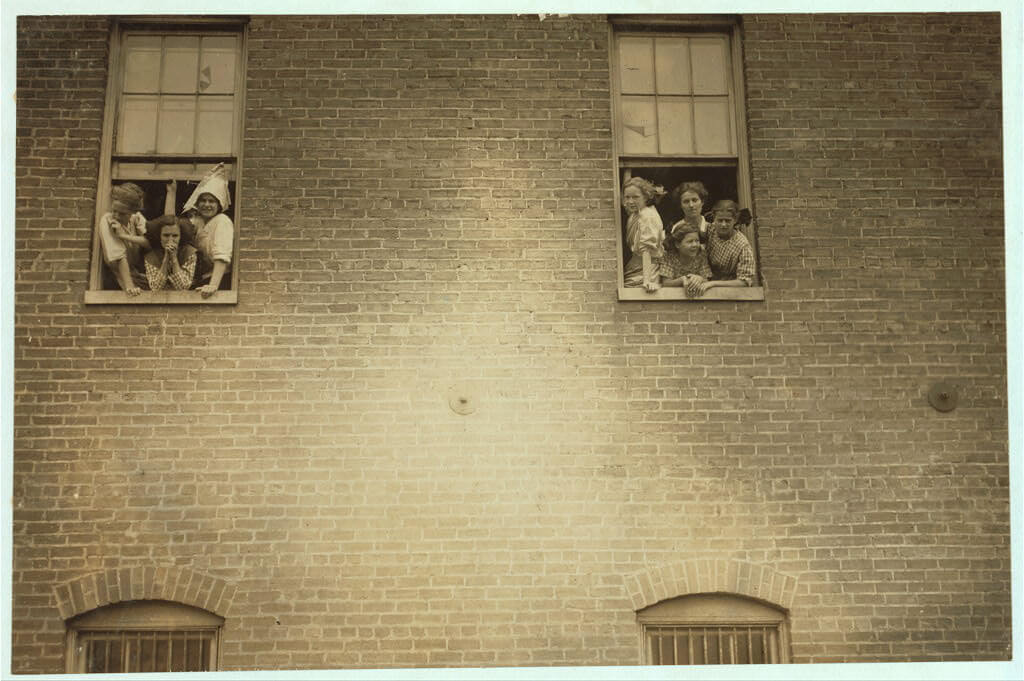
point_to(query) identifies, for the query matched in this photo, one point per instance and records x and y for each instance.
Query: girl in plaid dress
(685, 263)
(172, 261)
(729, 253)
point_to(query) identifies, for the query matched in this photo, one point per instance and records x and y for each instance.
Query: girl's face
(725, 224)
(122, 216)
(207, 205)
(170, 237)
(690, 244)
(691, 204)
(633, 199)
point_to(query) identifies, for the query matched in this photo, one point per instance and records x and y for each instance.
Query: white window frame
(714, 611)
(140, 616)
(159, 26)
(668, 25)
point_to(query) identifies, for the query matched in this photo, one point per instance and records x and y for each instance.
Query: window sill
(677, 293)
(160, 298)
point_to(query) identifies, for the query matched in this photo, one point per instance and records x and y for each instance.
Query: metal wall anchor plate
(943, 397)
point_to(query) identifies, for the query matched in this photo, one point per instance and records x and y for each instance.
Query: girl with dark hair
(172, 261)
(691, 197)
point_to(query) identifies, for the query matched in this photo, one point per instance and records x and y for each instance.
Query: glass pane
(181, 61)
(216, 122)
(635, 60)
(757, 644)
(713, 125)
(672, 66)
(137, 129)
(709, 66)
(177, 652)
(177, 125)
(675, 125)
(713, 657)
(161, 654)
(142, 64)
(742, 646)
(217, 65)
(639, 126)
(147, 653)
(193, 653)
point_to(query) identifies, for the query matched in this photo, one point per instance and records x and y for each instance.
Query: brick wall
(427, 213)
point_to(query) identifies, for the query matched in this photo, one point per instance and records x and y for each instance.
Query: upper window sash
(675, 95)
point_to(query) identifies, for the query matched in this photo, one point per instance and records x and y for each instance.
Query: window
(713, 629)
(175, 97)
(680, 117)
(143, 636)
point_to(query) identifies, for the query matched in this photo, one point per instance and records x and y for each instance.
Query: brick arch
(761, 582)
(177, 584)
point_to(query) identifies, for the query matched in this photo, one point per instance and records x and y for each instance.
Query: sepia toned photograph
(474, 341)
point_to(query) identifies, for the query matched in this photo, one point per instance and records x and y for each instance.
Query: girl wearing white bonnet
(215, 233)
(122, 233)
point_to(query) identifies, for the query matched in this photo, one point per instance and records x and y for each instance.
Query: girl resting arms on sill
(729, 253)
(214, 231)
(645, 233)
(685, 263)
(172, 261)
(123, 237)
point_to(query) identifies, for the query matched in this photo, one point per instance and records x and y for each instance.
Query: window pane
(639, 125)
(217, 65)
(177, 125)
(713, 126)
(137, 130)
(709, 66)
(635, 60)
(178, 652)
(161, 654)
(216, 122)
(672, 66)
(675, 125)
(713, 650)
(181, 61)
(142, 64)
(757, 645)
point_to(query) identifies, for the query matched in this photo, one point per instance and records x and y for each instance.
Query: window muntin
(713, 629)
(174, 111)
(143, 636)
(680, 117)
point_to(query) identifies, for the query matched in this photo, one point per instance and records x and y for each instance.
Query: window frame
(692, 610)
(140, 616)
(683, 25)
(166, 25)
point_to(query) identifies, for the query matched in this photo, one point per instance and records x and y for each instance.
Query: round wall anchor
(461, 404)
(462, 398)
(942, 397)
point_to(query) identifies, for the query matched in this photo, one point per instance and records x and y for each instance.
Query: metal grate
(147, 651)
(758, 644)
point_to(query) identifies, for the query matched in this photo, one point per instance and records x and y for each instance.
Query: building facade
(423, 423)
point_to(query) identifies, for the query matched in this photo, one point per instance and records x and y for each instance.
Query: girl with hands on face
(172, 261)
(122, 236)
